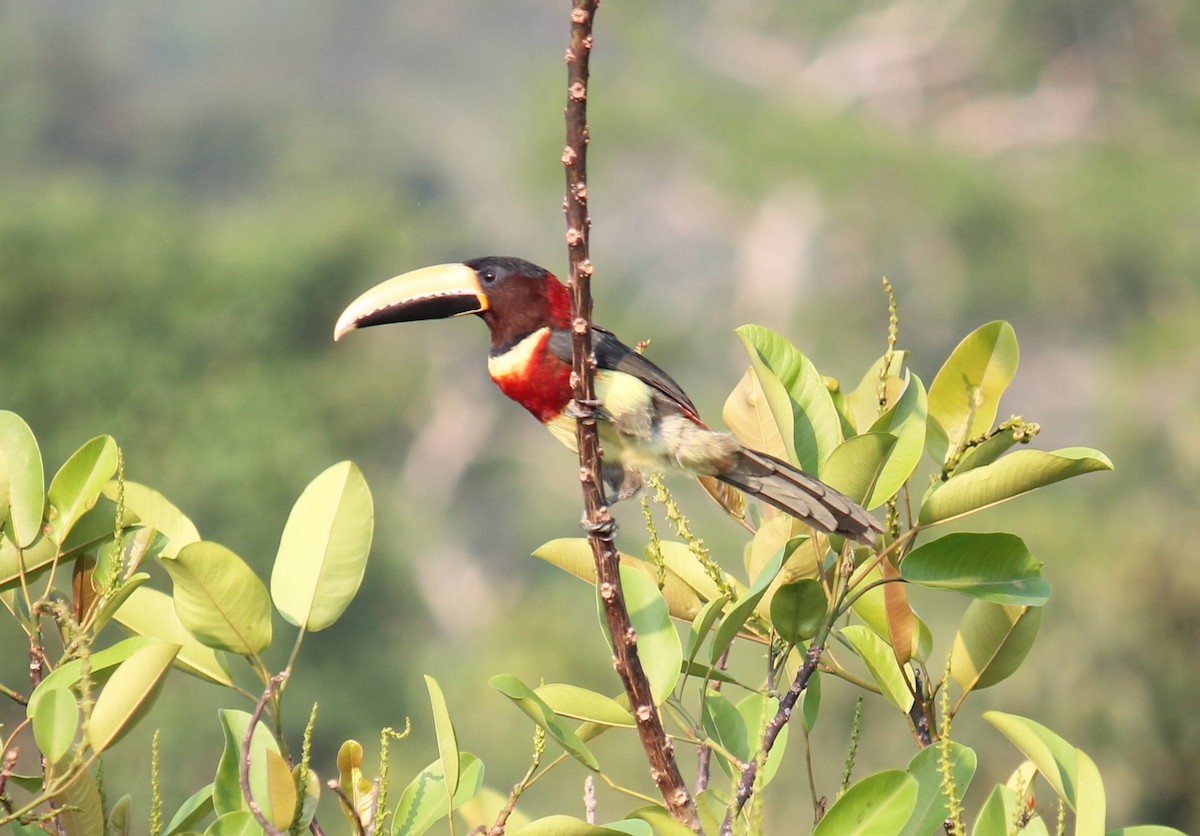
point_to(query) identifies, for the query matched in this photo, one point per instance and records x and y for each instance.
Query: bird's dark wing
(614, 355)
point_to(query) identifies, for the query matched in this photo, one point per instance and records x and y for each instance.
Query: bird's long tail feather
(804, 497)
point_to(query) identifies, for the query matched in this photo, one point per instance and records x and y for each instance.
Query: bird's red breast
(532, 376)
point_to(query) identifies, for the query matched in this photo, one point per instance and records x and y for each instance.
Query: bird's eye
(487, 276)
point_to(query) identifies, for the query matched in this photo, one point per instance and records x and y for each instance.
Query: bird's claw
(583, 409)
(605, 529)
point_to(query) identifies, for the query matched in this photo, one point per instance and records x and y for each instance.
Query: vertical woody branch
(598, 522)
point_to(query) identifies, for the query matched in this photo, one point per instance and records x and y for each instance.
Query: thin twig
(774, 727)
(599, 522)
(244, 768)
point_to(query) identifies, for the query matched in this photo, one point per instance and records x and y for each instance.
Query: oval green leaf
(129, 693)
(77, 485)
(541, 713)
(796, 395)
(219, 599)
(1005, 478)
(1054, 757)
(196, 809)
(798, 609)
(236, 823)
(995, 567)
(732, 624)
(582, 704)
(907, 420)
(154, 510)
(881, 663)
(857, 465)
(227, 785)
(658, 644)
(932, 807)
(55, 722)
(100, 665)
(82, 809)
(324, 548)
(965, 394)
(992, 641)
(447, 740)
(574, 555)
(879, 803)
(426, 800)
(149, 612)
(26, 498)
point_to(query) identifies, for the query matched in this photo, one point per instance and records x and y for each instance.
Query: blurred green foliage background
(192, 192)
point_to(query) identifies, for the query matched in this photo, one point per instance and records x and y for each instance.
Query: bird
(647, 424)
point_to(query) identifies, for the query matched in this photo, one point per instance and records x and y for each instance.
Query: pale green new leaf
(77, 485)
(748, 416)
(219, 599)
(324, 548)
(149, 612)
(583, 704)
(26, 499)
(152, 509)
(447, 740)
(129, 693)
(100, 665)
(800, 403)
(881, 663)
(226, 789)
(857, 465)
(1005, 478)
(1054, 757)
(541, 713)
(965, 394)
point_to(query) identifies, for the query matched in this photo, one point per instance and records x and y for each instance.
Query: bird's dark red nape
(647, 422)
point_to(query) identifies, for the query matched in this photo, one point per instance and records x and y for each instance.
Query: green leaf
(26, 503)
(357, 797)
(725, 725)
(447, 740)
(153, 509)
(907, 420)
(425, 800)
(1057, 760)
(932, 808)
(749, 417)
(324, 548)
(995, 567)
(77, 485)
(565, 826)
(1146, 830)
(1005, 478)
(872, 608)
(992, 641)
(879, 803)
(1090, 802)
(798, 609)
(226, 788)
(219, 599)
(55, 722)
(149, 612)
(574, 555)
(857, 465)
(100, 665)
(881, 663)
(701, 626)
(582, 704)
(744, 608)
(129, 693)
(796, 395)
(965, 394)
(82, 808)
(997, 811)
(236, 823)
(660, 819)
(193, 811)
(756, 710)
(810, 701)
(281, 790)
(658, 644)
(538, 711)
(118, 818)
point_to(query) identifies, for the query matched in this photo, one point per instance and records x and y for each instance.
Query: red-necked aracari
(647, 423)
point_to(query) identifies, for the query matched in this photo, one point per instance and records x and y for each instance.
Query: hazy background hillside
(192, 192)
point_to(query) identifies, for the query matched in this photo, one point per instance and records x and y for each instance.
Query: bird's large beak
(437, 292)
